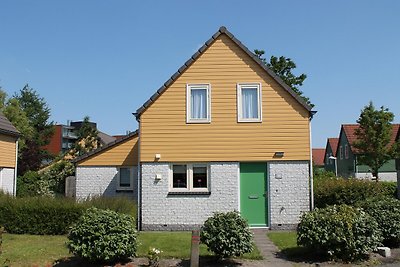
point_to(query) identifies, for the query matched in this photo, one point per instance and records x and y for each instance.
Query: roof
(318, 155)
(105, 138)
(349, 130)
(6, 126)
(333, 142)
(195, 56)
(107, 146)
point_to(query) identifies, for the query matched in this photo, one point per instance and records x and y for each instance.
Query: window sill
(124, 190)
(189, 193)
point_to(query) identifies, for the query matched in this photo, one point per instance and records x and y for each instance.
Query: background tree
(87, 138)
(283, 67)
(30, 114)
(373, 138)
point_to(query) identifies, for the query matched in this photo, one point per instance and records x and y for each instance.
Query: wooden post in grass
(194, 254)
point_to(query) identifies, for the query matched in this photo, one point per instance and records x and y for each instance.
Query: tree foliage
(30, 114)
(87, 138)
(374, 137)
(283, 67)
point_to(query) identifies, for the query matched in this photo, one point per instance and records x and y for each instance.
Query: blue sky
(106, 58)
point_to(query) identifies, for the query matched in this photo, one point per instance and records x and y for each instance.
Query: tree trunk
(375, 174)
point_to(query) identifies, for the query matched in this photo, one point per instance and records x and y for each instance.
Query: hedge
(52, 216)
(349, 191)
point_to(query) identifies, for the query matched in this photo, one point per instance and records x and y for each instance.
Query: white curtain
(199, 103)
(250, 103)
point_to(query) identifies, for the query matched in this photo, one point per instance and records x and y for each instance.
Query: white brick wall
(163, 211)
(289, 192)
(384, 176)
(7, 180)
(94, 181)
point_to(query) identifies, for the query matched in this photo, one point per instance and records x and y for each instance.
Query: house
(347, 154)
(318, 155)
(65, 136)
(330, 151)
(8, 155)
(110, 170)
(223, 133)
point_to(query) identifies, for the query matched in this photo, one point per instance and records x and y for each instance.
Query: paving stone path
(268, 250)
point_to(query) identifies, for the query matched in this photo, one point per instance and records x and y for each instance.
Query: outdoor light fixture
(158, 156)
(279, 154)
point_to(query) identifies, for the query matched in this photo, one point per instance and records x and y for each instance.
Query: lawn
(29, 250)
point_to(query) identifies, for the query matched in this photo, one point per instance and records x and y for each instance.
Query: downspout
(139, 182)
(311, 166)
(16, 168)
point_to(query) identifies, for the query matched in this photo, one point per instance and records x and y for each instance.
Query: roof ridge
(200, 51)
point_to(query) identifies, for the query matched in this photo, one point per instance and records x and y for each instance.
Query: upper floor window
(198, 108)
(341, 152)
(249, 102)
(346, 151)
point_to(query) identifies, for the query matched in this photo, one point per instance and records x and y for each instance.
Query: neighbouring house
(8, 155)
(223, 133)
(347, 165)
(65, 136)
(318, 155)
(330, 151)
(109, 171)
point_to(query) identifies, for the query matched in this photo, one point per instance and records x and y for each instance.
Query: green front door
(253, 193)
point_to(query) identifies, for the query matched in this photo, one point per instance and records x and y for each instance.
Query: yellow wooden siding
(284, 127)
(122, 154)
(7, 151)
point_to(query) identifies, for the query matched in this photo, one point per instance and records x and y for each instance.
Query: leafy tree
(87, 138)
(283, 67)
(373, 138)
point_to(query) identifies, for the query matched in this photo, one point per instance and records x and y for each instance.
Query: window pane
(199, 177)
(124, 177)
(198, 103)
(179, 177)
(249, 103)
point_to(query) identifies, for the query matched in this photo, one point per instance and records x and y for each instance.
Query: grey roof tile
(6, 126)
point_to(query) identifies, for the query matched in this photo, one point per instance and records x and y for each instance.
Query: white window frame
(189, 178)
(189, 88)
(239, 87)
(119, 187)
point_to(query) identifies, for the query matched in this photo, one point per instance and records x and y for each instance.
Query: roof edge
(200, 51)
(109, 145)
(11, 133)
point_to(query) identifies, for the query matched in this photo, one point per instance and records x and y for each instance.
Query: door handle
(253, 197)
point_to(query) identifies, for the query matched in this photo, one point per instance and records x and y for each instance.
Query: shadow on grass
(76, 261)
(211, 261)
(301, 254)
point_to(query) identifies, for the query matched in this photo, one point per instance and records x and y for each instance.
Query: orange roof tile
(333, 142)
(318, 155)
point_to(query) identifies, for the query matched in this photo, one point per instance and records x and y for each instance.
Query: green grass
(41, 250)
(28, 250)
(286, 241)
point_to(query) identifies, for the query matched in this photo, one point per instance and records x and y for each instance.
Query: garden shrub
(340, 232)
(52, 216)
(349, 191)
(386, 211)
(227, 234)
(103, 235)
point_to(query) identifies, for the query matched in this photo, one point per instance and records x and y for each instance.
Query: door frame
(268, 196)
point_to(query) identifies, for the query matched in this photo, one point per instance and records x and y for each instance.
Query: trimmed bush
(386, 211)
(340, 232)
(227, 234)
(52, 216)
(103, 235)
(349, 191)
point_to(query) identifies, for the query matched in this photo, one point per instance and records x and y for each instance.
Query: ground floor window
(125, 178)
(189, 177)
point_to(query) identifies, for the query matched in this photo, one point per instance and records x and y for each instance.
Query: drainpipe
(311, 166)
(139, 182)
(16, 168)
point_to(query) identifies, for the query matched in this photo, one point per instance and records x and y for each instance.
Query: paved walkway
(268, 250)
